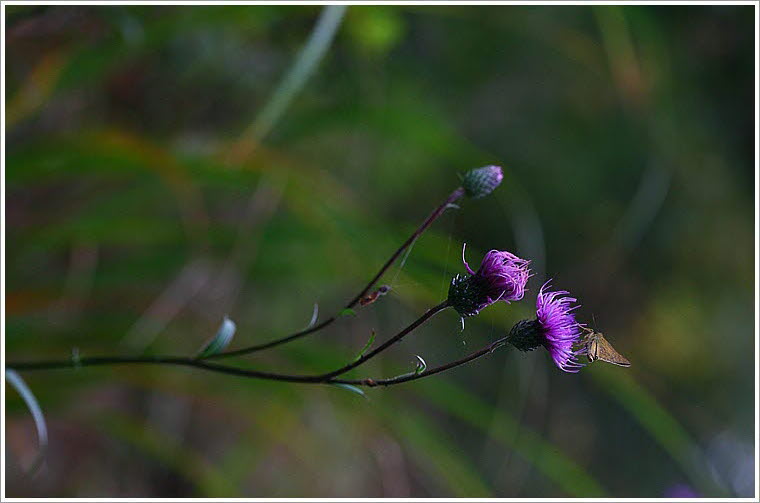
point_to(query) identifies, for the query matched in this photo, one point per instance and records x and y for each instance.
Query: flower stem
(454, 196)
(396, 338)
(253, 374)
(200, 363)
(153, 360)
(435, 370)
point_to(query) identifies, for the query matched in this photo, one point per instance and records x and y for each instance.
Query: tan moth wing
(599, 348)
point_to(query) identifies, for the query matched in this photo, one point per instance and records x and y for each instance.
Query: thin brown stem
(157, 360)
(453, 197)
(436, 370)
(396, 338)
(199, 363)
(254, 374)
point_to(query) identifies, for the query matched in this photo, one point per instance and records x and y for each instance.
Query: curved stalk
(200, 363)
(454, 196)
(490, 348)
(396, 338)
(253, 374)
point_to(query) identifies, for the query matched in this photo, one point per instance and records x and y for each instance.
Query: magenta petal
(560, 330)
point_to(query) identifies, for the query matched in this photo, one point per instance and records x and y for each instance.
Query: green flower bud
(480, 182)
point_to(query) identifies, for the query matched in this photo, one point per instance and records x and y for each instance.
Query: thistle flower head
(555, 328)
(480, 182)
(501, 277)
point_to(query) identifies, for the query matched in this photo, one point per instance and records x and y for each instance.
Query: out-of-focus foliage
(136, 221)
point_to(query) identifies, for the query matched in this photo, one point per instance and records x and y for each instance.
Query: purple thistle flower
(560, 330)
(555, 328)
(503, 274)
(501, 277)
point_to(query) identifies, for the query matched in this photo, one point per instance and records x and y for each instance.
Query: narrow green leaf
(419, 368)
(351, 388)
(314, 316)
(347, 312)
(421, 365)
(220, 340)
(39, 419)
(366, 346)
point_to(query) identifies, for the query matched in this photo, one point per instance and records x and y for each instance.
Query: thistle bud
(526, 335)
(466, 295)
(480, 182)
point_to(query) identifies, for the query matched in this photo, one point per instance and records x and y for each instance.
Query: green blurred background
(161, 171)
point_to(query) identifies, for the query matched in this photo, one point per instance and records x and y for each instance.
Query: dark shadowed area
(168, 166)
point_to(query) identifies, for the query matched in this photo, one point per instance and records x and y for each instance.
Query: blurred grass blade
(347, 312)
(436, 453)
(351, 388)
(221, 340)
(174, 455)
(35, 91)
(306, 62)
(663, 427)
(547, 458)
(366, 346)
(39, 419)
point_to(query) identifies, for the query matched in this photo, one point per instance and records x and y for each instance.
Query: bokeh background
(166, 166)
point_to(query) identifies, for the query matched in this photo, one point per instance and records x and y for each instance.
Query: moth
(599, 348)
(372, 297)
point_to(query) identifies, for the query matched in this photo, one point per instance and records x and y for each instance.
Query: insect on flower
(599, 348)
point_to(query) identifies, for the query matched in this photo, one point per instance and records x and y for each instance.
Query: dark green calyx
(482, 181)
(526, 335)
(466, 295)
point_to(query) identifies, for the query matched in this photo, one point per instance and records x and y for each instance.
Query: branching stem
(453, 197)
(200, 363)
(253, 374)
